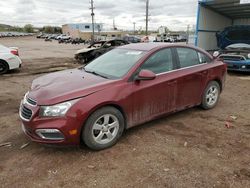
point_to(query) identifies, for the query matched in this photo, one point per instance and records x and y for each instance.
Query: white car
(9, 59)
(63, 37)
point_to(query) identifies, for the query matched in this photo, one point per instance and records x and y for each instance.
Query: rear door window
(187, 57)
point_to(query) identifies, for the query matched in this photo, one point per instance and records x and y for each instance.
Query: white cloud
(173, 14)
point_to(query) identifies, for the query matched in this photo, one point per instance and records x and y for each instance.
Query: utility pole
(188, 28)
(147, 1)
(114, 27)
(93, 24)
(134, 27)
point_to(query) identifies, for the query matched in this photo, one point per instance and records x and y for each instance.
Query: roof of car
(151, 46)
(158, 45)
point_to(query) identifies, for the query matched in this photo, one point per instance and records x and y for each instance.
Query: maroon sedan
(125, 87)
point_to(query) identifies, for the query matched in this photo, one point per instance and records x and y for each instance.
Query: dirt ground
(192, 148)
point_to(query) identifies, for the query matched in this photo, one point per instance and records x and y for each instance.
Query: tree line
(29, 28)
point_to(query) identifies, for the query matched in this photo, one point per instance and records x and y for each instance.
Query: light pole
(188, 27)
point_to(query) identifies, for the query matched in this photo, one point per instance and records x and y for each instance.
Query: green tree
(28, 28)
(51, 29)
(48, 29)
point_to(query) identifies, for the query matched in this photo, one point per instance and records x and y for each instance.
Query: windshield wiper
(95, 73)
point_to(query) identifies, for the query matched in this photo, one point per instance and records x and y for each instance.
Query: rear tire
(103, 128)
(211, 95)
(3, 67)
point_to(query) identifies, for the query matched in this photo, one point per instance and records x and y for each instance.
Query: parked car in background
(237, 57)
(132, 39)
(125, 87)
(63, 37)
(9, 59)
(96, 49)
(77, 41)
(14, 34)
(145, 39)
(39, 35)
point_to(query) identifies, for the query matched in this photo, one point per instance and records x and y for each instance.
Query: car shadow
(238, 73)
(11, 72)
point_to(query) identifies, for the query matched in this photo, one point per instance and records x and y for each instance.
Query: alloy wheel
(105, 129)
(212, 95)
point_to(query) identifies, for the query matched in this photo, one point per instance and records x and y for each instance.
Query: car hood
(84, 50)
(239, 46)
(66, 85)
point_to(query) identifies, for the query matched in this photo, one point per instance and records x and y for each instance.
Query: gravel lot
(192, 148)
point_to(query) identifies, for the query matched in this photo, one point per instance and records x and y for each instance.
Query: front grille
(232, 58)
(26, 113)
(31, 101)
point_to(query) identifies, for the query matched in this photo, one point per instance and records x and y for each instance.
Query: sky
(175, 14)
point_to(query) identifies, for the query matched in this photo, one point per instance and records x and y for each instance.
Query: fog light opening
(50, 134)
(243, 66)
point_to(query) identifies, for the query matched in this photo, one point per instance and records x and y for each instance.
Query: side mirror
(216, 54)
(146, 75)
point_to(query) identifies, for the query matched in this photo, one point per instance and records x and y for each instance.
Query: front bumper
(57, 130)
(238, 66)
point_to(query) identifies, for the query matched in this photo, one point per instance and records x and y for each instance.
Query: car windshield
(115, 63)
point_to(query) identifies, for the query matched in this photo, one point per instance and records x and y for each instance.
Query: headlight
(248, 55)
(56, 110)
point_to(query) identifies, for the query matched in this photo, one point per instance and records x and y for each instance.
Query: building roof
(233, 9)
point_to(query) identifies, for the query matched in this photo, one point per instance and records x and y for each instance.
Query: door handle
(172, 82)
(203, 72)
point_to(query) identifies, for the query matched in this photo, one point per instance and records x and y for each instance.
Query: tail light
(14, 52)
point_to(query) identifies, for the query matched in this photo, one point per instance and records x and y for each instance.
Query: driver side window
(159, 62)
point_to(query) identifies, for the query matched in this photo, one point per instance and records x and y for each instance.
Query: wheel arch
(114, 105)
(219, 82)
(5, 62)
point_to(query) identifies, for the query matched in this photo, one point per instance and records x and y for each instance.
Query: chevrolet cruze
(125, 87)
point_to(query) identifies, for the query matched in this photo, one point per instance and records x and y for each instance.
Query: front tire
(211, 95)
(103, 128)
